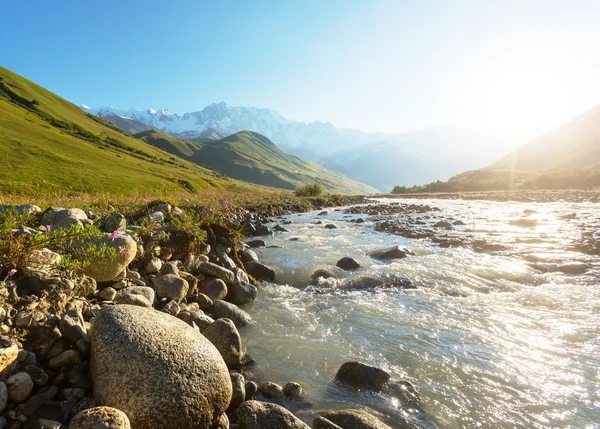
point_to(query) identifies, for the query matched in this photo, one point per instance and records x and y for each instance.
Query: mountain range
(380, 159)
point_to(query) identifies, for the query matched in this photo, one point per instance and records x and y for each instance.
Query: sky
(373, 65)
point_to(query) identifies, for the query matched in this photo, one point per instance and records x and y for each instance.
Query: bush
(310, 190)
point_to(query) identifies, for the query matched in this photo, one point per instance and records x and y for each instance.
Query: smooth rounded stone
(100, 418)
(361, 376)
(260, 271)
(280, 228)
(394, 252)
(19, 387)
(226, 310)
(107, 294)
(42, 262)
(443, 224)
(3, 397)
(156, 216)
(137, 300)
(153, 266)
(38, 375)
(204, 301)
(214, 288)
(256, 243)
(66, 358)
(239, 293)
(172, 308)
(226, 338)
(106, 268)
(180, 378)
(144, 291)
(170, 268)
(192, 281)
(170, 286)
(113, 222)
(223, 422)
(251, 390)
(323, 423)
(66, 223)
(53, 217)
(86, 286)
(321, 273)
(8, 355)
(355, 419)
(26, 357)
(271, 390)
(293, 391)
(196, 318)
(72, 326)
(249, 255)
(239, 391)
(261, 415)
(330, 226)
(262, 230)
(347, 263)
(215, 270)
(163, 207)
(240, 275)
(360, 220)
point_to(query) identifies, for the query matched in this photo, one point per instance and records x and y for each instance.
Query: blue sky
(373, 65)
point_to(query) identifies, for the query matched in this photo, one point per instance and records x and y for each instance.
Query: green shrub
(310, 190)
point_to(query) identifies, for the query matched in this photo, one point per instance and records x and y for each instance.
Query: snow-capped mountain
(384, 160)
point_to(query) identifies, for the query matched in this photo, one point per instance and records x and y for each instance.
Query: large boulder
(157, 369)
(100, 418)
(261, 415)
(355, 419)
(104, 268)
(362, 376)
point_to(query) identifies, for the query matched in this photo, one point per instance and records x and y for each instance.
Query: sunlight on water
(490, 338)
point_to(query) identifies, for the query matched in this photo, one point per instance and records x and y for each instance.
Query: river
(493, 339)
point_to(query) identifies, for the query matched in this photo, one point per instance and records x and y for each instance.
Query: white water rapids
(489, 339)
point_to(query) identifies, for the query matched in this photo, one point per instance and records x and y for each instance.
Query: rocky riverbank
(114, 321)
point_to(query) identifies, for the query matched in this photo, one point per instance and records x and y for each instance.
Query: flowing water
(491, 339)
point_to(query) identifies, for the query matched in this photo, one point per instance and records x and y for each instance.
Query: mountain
(575, 144)
(377, 158)
(253, 158)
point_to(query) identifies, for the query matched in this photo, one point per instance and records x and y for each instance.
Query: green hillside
(48, 144)
(253, 158)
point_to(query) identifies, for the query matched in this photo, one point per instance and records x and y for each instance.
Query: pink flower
(49, 227)
(12, 272)
(114, 235)
(34, 297)
(122, 250)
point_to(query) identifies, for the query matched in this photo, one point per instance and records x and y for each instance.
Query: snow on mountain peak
(85, 107)
(152, 111)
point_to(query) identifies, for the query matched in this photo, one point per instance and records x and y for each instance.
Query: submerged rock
(347, 263)
(361, 376)
(394, 252)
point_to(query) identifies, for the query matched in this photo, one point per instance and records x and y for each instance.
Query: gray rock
(260, 271)
(239, 391)
(249, 255)
(3, 397)
(293, 391)
(172, 308)
(330, 226)
(66, 223)
(251, 390)
(113, 222)
(170, 286)
(226, 310)
(146, 292)
(132, 299)
(215, 270)
(256, 243)
(394, 252)
(203, 301)
(72, 326)
(214, 288)
(361, 376)
(100, 418)
(271, 390)
(196, 318)
(157, 217)
(262, 230)
(226, 338)
(146, 363)
(261, 415)
(323, 423)
(321, 273)
(239, 293)
(19, 387)
(355, 419)
(41, 263)
(240, 275)
(360, 220)
(52, 218)
(106, 268)
(170, 268)
(163, 207)
(347, 263)
(66, 358)
(107, 294)
(36, 401)
(153, 266)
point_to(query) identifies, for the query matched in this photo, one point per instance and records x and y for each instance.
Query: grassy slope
(252, 157)
(51, 145)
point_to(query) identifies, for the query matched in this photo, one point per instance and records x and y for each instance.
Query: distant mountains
(380, 159)
(50, 145)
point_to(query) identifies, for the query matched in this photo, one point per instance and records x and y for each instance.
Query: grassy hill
(251, 157)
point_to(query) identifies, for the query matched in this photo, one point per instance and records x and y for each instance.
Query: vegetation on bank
(309, 190)
(507, 180)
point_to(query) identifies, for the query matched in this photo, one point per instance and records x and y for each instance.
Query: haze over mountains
(380, 159)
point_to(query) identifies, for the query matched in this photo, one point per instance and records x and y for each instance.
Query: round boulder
(361, 376)
(100, 418)
(261, 415)
(214, 288)
(347, 263)
(107, 267)
(157, 369)
(226, 338)
(170, 286)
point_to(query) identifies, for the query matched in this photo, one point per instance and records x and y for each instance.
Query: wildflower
(122, 250)
(12, 272)
(49, 227)
(34, 297)
(114, 235)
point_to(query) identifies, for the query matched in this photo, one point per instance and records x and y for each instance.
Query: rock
(171, 308)
(224, 422)
(280, 228)
(215, 270)
(240, 275)
(41, 263)
(355, 419)
(323, 423)
(323, 213)
(260, 271)
(330, 226)
(321, 273)
(153, 266)
(214, 288)
(262, 230)
(170, 286)
(292, 391)
(394, 252)
(72, 326)
(84, 404)
(443, 224)
(163, 207)
(524, 222)
(53, 217)
(144, 291)
(197, 318)
(38, 376)
(249, 255)
(46, 417)
(573, 268)
(361, 376)
(172, 387)
(170, 268)
(226, 338)
(203, 301)
(256, 243)
(226, 310)
(132, 299)
(251, 390)
(271, 390)
(100, 418)
(7, 356)
(156, 217)
(66, 358)
(347, 263)
(3, 397)
(239, 293)
(261, 415)
(107, 294)
(19, 387)
(86, 286)
(106, 268)
(36, 401)
(66, 223)
(360, 220)
(239, 391)
(113, 222)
